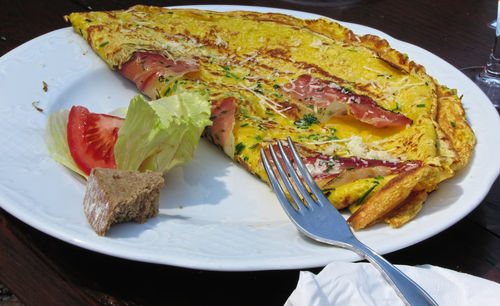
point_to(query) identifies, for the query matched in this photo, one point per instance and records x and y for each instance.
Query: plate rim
(236, 266)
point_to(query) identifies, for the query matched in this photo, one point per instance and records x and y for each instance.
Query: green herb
(88, 20)
(258, 138)
(420, 105)
(229, 74)
(244, 112)
(397, 108)
(306, 121)
(379, 177)
(244, 124)
(329, 189)
(103, 44)
(363, 197)
(238, 148)
(276, 86)
(161, 78)
(385, 76)
(452, 124)
(253, 146)
(174, 88)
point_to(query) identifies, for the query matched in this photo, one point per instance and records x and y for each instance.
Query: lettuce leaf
(56, 139)
(163, 133)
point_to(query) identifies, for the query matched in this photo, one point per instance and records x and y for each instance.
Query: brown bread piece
(116, 196)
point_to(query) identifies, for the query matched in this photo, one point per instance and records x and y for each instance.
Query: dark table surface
(40, 269)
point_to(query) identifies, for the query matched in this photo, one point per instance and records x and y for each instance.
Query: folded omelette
(377, 133)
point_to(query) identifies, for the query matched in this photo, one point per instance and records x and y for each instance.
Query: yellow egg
(251, 56)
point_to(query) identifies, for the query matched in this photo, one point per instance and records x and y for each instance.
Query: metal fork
(321, 221)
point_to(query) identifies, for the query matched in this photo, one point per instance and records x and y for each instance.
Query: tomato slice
(92, 138)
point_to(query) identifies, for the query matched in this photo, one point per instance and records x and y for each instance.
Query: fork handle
(408, 290)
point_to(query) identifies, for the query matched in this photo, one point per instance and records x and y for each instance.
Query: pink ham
(338, 101)
(152, 72)
(221, 131)
(334, 166)
(325, 168)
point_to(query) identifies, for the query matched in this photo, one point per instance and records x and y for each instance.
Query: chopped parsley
(397, 108)
(238, 148)
(420, 105)
(387, 76)
(347, 90)
(306, 121)
(162, 78)
(229, 74)
(363, 197)
(103, 44)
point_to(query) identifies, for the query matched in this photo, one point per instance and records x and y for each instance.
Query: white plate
(213, 214)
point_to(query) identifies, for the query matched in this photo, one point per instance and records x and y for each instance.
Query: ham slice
(335, 171)
(152, 72)
(221, 131)
(335, 100)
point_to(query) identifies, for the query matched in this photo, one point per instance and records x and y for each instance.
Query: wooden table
(40, 269)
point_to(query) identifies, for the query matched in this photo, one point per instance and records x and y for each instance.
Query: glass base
(489, 84)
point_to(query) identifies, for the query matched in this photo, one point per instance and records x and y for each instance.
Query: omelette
(377, 133)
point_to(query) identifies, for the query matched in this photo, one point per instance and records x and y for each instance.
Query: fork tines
(285, 169)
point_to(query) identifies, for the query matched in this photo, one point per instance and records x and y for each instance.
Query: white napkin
(341, 283)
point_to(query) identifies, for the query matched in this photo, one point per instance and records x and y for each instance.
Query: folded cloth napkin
(341, 283)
